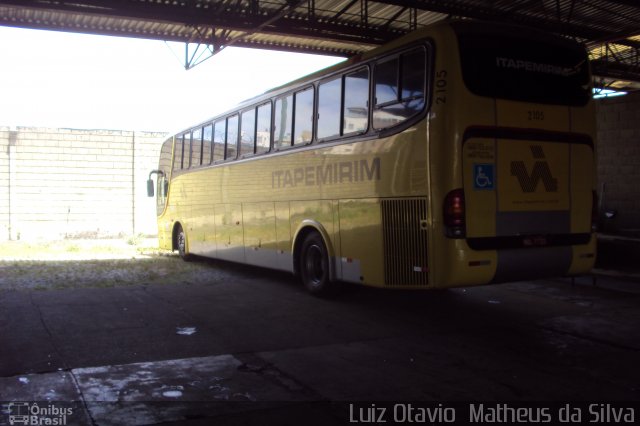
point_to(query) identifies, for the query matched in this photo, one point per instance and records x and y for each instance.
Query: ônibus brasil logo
(32, 414)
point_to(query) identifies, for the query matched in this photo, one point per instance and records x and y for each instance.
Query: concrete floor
(254, 348)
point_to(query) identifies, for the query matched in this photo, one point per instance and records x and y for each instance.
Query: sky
(81, 81)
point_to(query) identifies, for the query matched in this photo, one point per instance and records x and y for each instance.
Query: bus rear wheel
(181, 243)
(314, 266)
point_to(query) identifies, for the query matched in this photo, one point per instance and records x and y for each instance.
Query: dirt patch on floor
(95, 263)
(89, 249)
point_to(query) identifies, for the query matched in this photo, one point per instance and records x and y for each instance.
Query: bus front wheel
(181, 243)
(314, 266)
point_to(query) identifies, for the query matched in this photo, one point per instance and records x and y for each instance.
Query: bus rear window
(509, 66)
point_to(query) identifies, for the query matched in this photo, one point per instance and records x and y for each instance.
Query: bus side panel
(284, 257)
(337, 240)
(209, 231)
(229, 234)
(179, 207)
(196, 233)
(164, 232)
(361, 245)
(259, 233)
(202, 207)
(166, 222)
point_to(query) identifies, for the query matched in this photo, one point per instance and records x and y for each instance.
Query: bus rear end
(522, 202)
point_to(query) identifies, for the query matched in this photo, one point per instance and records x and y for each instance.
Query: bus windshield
(541, 70)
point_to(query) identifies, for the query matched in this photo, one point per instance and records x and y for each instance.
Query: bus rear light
(594, 212)
(454, 214)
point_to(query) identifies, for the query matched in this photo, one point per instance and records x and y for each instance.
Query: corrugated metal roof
(610, 29)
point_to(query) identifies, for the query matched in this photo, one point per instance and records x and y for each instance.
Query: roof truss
(610, 29)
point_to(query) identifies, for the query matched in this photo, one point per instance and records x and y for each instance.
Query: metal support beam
(603, 68)
(343, 10)
(464, 9)
(344, 27)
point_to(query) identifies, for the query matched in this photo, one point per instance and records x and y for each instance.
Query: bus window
(356, 102)
(231, 147)
(207, 136)
(196, 148)
(283, 122)
(413, 79)
(399, 88)
(386, 82)
(552, 73)
(165, 157)
(329, 106)
(219, 134)
(186, 151)
(179, 150)
(303, 124)
(263, 133)
(247, 133)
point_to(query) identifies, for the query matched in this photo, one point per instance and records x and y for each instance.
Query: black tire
(314, 266)
(181, 244)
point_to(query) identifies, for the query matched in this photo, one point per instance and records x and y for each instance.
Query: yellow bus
(460, 154)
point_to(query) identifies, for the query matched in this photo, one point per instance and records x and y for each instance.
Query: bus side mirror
(150, 188)
(166, 188)
(150, 181)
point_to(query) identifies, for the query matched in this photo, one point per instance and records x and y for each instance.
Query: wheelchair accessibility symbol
(483, 177)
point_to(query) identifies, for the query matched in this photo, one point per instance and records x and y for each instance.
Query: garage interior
(178, 344)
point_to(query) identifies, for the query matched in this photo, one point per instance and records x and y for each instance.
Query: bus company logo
(538, 67)
(30, 413)
(541, 172)
(339, 172)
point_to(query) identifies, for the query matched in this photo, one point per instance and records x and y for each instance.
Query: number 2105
(441, 87)
(535, 115)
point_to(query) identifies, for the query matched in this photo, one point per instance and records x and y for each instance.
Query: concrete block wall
(618, 162)
(4, 182)
(70, 183)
